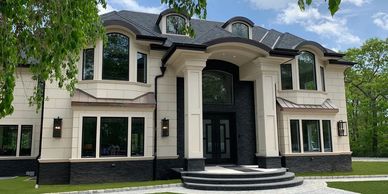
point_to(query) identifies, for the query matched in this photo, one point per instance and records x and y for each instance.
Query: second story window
(323, 79)
(175, 24)
(88, 64)
(116, 58)
(240, 29)
(307, 73)
(286, 76)
(141, 67)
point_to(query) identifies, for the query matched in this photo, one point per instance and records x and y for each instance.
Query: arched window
(175, 24)
(217, 87)
(307, 73)
(240, 29)
(115, 64)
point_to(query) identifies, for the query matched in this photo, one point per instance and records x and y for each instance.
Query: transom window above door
(217, 87)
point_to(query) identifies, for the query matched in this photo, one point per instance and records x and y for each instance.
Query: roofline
(338, 62)
(151, 38)
(168, 11)
(280, 52)
(320, 47)
(238, 18)
(123, 24)
(238, 40)
(182, 46)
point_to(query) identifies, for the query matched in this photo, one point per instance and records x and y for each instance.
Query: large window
(175, 24)
(327, 136)
(307, 74)
(89, 128)
(137, 136)
(88, 64)
(25, 140)
(8, 140)
(141, 67)
(114, 136)
(323, 79)
(311, 136)
(295, 136)
(116, 58)
(240, 29)
(286, 76)
(217, 87)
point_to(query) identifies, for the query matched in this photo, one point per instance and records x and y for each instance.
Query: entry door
(217, 139)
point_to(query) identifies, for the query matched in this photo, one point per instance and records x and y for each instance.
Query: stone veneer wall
(318, 163)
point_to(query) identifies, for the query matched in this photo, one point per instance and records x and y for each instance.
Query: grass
(26, 185)
(359, 168)
(365, 187)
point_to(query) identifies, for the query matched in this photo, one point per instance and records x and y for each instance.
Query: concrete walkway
(369, 159)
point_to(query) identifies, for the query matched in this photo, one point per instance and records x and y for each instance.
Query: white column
(193, 110)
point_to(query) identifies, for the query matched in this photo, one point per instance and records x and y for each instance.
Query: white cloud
(131, 5)
(323, 25)
(102, 10)
(269, 4)
(357, 3)
(381, 20)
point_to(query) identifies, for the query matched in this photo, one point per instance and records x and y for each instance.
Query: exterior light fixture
(165, 127)
(342, 128)
(57, 131)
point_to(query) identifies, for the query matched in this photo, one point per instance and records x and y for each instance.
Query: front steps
(234, 180)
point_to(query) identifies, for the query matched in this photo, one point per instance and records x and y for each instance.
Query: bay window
(286, 76)
(327, 136)
(323, 79)
(89, 128)
(9, 137)
(88, 64)
(307, 72)
(25, 140)
(141, 67)
(115, 64)
(311, 136)
(137, 136)
(295, 136)
(114, 136)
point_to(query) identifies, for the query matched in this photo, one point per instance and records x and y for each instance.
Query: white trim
(264, 36)
(17, 157)
(18, 139)
(112, 159)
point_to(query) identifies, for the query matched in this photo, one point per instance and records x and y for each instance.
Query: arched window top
(116, 57)
(175, 24)
(217, 87)
(240, 29)
(307, 72)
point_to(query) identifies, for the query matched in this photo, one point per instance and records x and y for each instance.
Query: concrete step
(238, 187)
(240, 180)
(258, 174)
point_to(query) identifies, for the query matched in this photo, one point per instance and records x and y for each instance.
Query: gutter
(40, 135)
(154, 163)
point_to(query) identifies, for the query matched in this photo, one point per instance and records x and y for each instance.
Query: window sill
(317, 153)
(112, 159)
(119, 82)
(17, 157)
(304, 91)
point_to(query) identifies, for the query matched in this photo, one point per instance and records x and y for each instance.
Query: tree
(48, 36)
(367, 97)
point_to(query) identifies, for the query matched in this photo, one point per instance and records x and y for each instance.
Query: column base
(195, 164)
(269, 161)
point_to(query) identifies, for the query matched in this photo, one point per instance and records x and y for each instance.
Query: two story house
(152, 99)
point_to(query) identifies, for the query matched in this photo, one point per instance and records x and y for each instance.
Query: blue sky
(356, 21)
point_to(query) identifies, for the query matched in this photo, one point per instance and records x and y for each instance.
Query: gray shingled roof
(205, 31)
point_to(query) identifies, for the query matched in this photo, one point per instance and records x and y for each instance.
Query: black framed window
(295, 135)
(8, 140)
(240, 29)
(307, 73)
(114, 136)
(141, 67)
(88, 64)
(115, 64)
(311, 136)
(89, 130)
(327, 143)
(217, 87)
(137, 136)
(286, 76)
(25, 140)
(323, 79)
(175, 24)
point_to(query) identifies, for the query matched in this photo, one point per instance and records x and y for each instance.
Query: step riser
(242, 188)
(257, 175)
(188, 180)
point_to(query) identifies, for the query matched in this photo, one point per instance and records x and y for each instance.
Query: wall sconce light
(342, 129)
(165, 127)
(57, 131)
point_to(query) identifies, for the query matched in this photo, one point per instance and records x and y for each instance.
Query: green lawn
(26, 185)
(359, 168)
(365, 187)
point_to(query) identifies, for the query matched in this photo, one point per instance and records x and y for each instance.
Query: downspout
(154, 164)
(40, 134)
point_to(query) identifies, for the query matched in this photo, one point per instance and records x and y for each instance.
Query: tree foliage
(48, 36)
(367, 98)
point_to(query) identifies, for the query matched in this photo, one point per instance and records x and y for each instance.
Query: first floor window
(141, 67)
(8, 140)
(286, 76)
(311, 136)
(89, 128)
(327, 136)
(137, 136)
(25, 140)
(295, 140)
(114, 136)
(88, 64)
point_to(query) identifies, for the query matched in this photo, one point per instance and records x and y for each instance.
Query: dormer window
(175, 24)
(240, 29)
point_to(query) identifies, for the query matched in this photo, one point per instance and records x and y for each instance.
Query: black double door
(219, 138)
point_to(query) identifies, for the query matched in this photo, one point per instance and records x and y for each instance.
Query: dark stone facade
(54, 173)
(269, 162)
(17, 167)
(165, 168)
(318, 163)
(197, 164)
